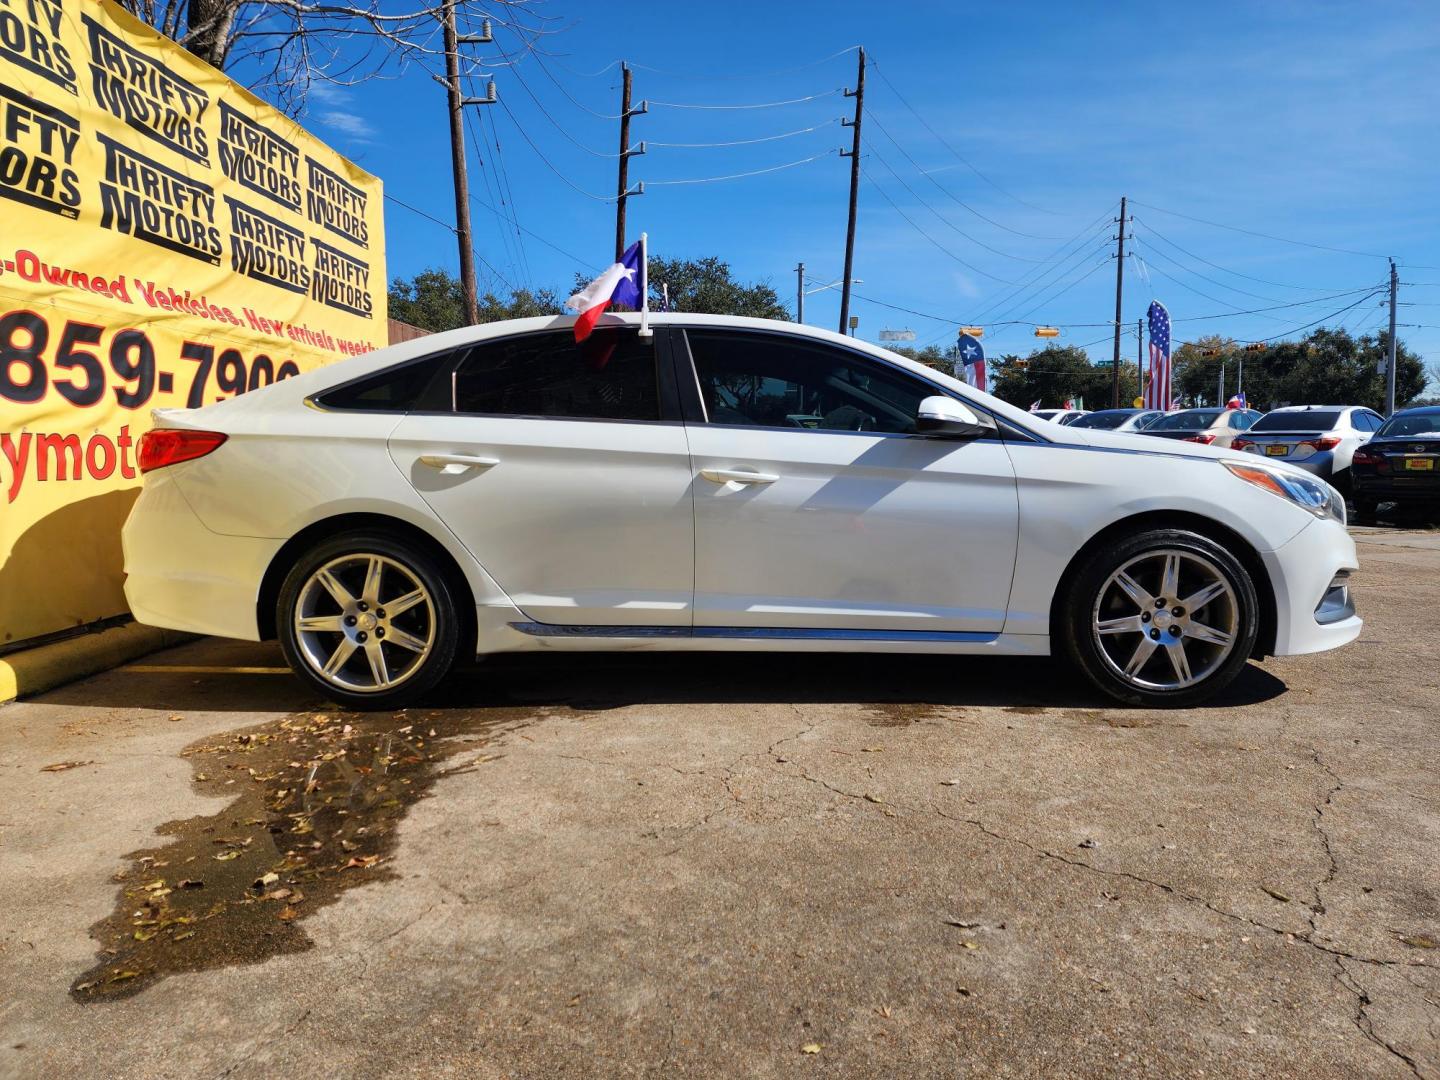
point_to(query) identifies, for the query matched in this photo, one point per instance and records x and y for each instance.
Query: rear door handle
(738, 476)
(457, 463)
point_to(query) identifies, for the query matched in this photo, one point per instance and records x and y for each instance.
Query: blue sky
(1312, 121)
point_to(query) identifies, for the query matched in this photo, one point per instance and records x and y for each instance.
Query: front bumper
(181, 576)
(1309, 615)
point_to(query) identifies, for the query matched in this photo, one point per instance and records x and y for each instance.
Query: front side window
(609, 376)
(773, 381)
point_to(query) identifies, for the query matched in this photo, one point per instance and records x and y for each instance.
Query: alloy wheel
(364, 622)
(1166, 619)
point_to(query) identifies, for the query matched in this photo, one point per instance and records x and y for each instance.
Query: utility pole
(1391, 352)
(859, 95)
(1140, 359)
(1119, 292)
(468, 288)
(800, 292)
(1220, 390)
(622, 188)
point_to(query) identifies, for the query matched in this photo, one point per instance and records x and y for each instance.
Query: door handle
(738, 476)
(456, 463)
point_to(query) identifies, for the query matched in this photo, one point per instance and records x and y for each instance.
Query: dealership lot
(733, 865)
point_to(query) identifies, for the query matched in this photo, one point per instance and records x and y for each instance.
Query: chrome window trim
(788, 633)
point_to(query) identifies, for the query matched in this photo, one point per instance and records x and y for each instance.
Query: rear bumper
(1418, 488)
(1321, 464)
(182, 576)
(1309, 616)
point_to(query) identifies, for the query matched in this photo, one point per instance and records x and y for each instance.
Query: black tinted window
(396, 389)
(1190, 420)
(1107, 420)
(609, 376)
(769, 380)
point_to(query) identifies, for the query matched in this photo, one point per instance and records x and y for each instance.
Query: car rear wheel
(1167, 617)
(368, 620)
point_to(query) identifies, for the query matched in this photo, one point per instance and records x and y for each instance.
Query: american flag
(1157, 390)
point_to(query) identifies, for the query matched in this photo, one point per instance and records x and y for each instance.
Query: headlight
(1305, 491)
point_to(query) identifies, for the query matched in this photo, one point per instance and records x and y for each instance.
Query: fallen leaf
(226, 856)
(884, 1011)
(872, 749)
(361, 862)
(1421, 941)
(175, 718)
(123, 976)
(183, 935)
(969, 945)
(61, 766)
(190, 883)
(1087, 843)
(264, 880)
(962, 924)
(949, 783)
(873, 798)
(810, 1048)
(1276, 893)
(288, 913)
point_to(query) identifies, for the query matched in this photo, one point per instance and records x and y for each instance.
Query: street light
(801, 292)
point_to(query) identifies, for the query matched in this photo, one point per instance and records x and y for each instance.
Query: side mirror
(945, 418)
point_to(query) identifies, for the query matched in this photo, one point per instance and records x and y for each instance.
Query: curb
(33, 671)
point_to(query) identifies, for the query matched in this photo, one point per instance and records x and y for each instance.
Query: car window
(1107, 420)
(400, 388)
(609, 376)
(1308, 420)
(1414, 424)
(1241, 420)
(1367, 421)
(1190, 420)
(769, 380)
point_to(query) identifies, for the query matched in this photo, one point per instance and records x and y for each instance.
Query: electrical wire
(911, 222)
(943, 142)
(759, 105)
(741, 175)
(1265, 236)
(514, 247)
(946, 191)
(454, 232)
(741, 142)
(1249, 277)
(1171, 260)
(548, 164)
(723, 75)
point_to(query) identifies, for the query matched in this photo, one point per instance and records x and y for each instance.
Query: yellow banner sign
(166, 240)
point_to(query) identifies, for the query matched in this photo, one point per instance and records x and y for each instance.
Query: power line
(1249, 277)
(951, 195)
(959, 156)
(1058, 258)
(759, 105)
(742, 142)
(720, 75)
(548, 164)
(740, 175)
(451, 229)
(1265, 236)
(910, 221)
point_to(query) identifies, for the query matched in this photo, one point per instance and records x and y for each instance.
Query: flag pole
(645, 330)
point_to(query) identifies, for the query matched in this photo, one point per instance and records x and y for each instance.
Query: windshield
(1190, 420)
(1108, 419)
(1403, 426)
(1308, 421)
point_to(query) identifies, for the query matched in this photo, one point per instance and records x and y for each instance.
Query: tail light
(1369, 457)
(170, 446)
(1241, 444)
(1204, 440)
(1329, 442)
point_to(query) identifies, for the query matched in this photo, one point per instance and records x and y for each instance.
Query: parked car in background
(1210, 427)
(501, 488)
(1318, 438)
(1065, 417)
(1400, 463)
(1118, 419)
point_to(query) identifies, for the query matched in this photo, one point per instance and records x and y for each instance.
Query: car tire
(1114, 628)
(369, 620)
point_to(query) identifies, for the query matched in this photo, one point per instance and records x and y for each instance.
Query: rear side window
(609, 376)
(1191, 420)
(396, 389)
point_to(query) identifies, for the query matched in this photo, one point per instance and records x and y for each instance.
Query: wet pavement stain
(317, 799)
(898, 713)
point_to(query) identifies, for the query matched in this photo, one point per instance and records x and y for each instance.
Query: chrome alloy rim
(1166, 619)
(364, 623)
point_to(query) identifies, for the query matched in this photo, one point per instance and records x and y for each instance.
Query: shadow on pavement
(244, 677)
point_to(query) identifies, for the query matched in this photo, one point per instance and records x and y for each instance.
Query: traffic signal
(1256, 347)
(1209, 352)
(1047, 331)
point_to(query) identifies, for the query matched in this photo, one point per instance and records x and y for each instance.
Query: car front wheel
(1165, 618)
(368, 620)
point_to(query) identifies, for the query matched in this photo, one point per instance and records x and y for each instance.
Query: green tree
(706, 286)
(431, 300)
(931, 356)
(1056, 374)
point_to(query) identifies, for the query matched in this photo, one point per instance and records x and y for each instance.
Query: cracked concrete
(928, 867)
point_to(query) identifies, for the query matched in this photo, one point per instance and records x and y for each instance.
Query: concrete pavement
(733, 866)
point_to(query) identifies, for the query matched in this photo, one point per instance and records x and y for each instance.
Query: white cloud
(337, 114)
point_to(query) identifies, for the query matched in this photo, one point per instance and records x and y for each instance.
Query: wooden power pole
(457, 102)
(1119, 293)
(622, 187)
(859, 95)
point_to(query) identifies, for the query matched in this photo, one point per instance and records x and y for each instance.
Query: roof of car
(1307, 408)
(1418, 410)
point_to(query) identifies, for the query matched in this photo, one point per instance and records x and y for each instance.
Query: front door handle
(738, 476)
(451, 464)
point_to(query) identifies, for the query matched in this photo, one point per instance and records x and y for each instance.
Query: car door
(818, 508)
(564, 469)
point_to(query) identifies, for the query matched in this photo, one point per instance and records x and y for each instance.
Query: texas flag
(972, 354)
(622, 283)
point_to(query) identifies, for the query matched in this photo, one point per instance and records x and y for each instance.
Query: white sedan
(725, 484)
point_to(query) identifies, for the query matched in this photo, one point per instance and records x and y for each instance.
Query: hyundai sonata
(718, 484)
